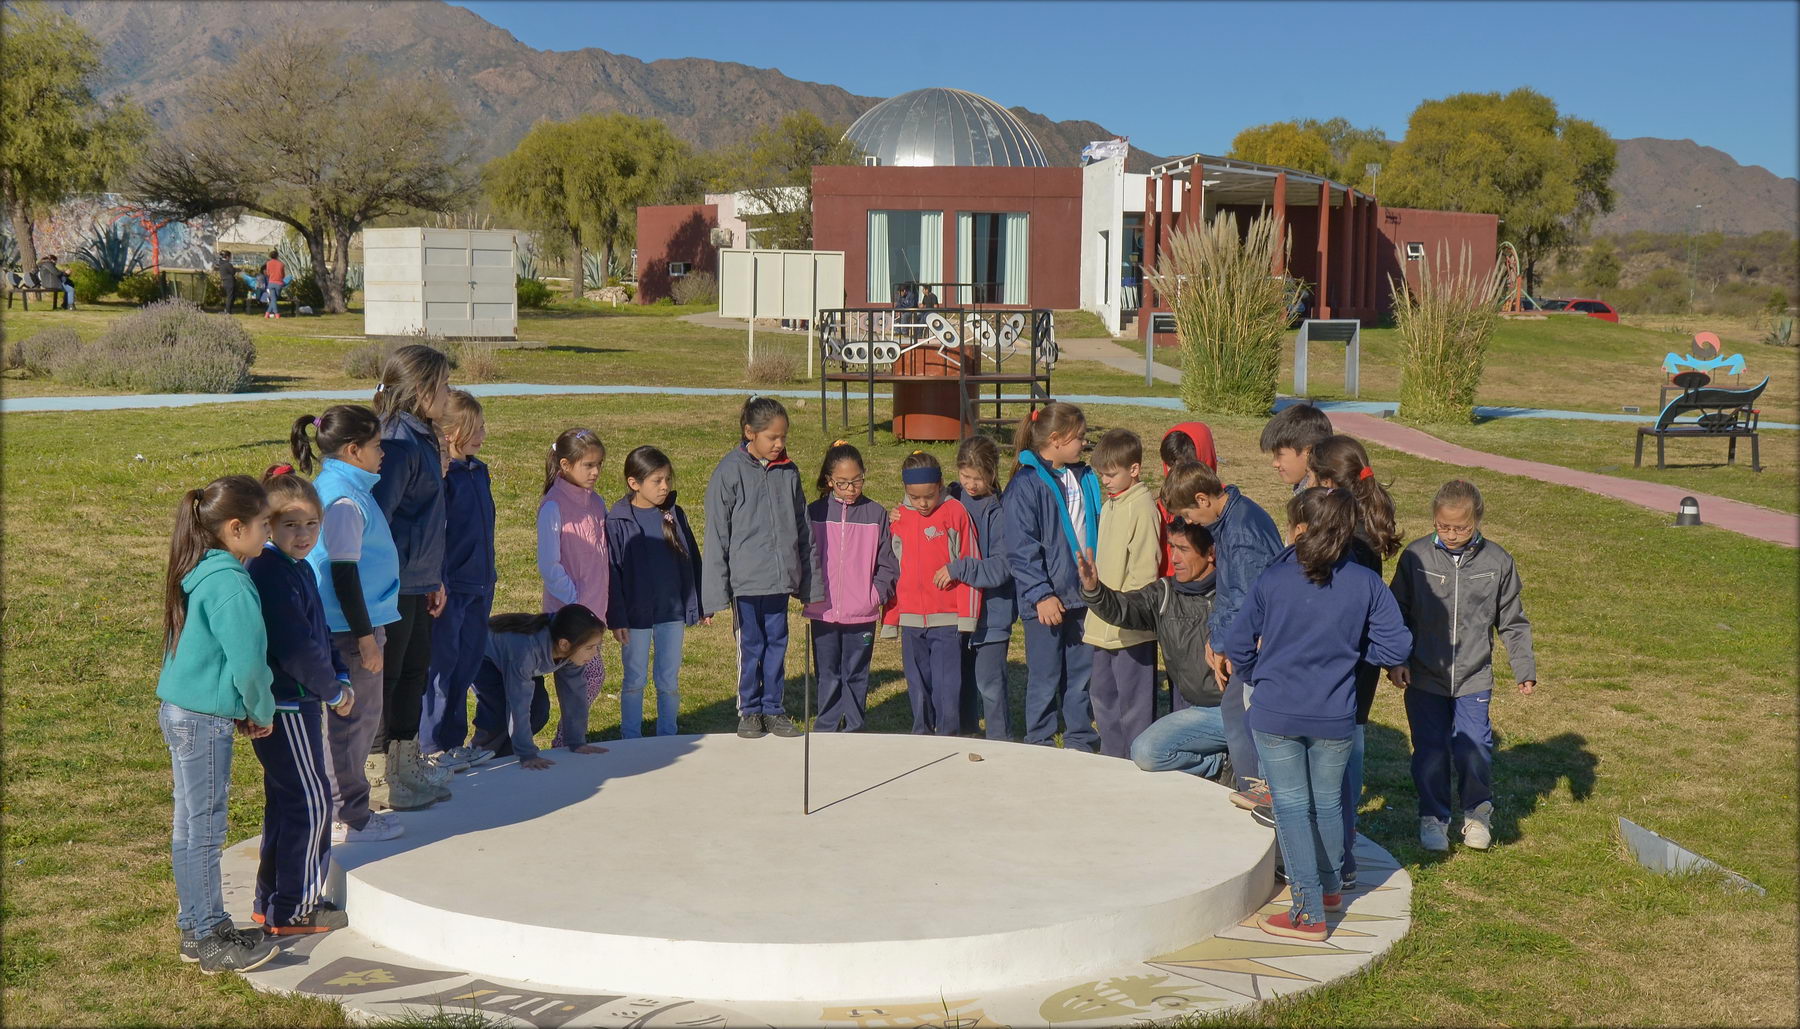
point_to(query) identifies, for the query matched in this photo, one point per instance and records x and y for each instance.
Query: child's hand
(1084, 567)
(943, 579)
(1220, 665)
(587, 748)
(621, 635)
(1050, 611)
(343, 706)
(535, 763)
(435, 601)
(369, 654)
(1401, 676)
(706, 620)
(1528, 686)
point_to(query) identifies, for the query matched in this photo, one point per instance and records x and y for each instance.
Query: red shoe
(1334, 902)
(1254, 796)
(1284, 925)
(257, 917)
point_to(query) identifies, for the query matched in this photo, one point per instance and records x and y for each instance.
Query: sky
(1184, 77)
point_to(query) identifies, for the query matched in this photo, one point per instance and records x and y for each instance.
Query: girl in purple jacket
(850, 535)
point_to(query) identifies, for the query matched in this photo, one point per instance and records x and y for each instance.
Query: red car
(1592, 308)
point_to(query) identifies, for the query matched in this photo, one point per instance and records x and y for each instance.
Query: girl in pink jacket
(850, 535)
(576, 567)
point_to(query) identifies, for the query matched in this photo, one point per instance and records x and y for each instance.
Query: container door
(494, 295)
(448, 283)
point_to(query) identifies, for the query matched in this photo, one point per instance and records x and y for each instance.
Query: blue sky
(1184, 77)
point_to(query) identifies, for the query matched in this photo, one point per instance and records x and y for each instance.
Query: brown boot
(403, 793)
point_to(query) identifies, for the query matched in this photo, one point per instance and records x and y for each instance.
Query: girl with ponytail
(215, 674)
(655, 591)
(1308, 621)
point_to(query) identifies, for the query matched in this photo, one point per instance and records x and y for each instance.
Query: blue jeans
(1057, 668)
(69, 295)
(1234, 709)
(667, 636)
(1306, 783)
(762, 632)
(1190, 740)
(274, 294)
(200, 754)
(1451, 734)
(1352, 799)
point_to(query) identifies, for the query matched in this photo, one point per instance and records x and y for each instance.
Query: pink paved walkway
(1749, 519)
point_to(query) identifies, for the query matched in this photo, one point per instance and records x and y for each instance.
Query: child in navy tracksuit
(655, 592)
(1052, 506)
(309, 676)
(459, 632)
(984, 650)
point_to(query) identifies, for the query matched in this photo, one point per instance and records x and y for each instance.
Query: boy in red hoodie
(929, 531)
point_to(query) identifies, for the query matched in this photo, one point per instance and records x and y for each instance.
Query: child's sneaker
(1434, 834)
(321, 919)
(1334, 901)
(229, 949)
(380, 826)
(781, 725)
(750, 727)
(1263, 814)
(190, 943)
(1478, 829)
(1253, 796)
(1297, 927)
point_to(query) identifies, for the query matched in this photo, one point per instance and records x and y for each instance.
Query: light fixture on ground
(1688, 513)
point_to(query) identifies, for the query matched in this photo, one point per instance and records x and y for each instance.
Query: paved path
(1749, 519)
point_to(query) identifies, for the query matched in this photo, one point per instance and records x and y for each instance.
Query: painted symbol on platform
(536, 1007)
(943, 1014)
(649, 1013)
(1121, 997)
(347, 977)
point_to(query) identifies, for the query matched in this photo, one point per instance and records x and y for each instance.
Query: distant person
(228, 280)
(906, 297)
(930, 299)
(50, 276)
(275, 273)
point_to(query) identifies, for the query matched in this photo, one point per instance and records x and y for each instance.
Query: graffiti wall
(85, 226)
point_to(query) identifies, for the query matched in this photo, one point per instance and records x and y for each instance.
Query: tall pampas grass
(1231, 312)
(1445, 325)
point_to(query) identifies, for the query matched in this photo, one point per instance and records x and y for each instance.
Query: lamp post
(1374, 171)
(1693, 274)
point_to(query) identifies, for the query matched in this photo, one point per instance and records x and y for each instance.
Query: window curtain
(931, 247)
(1015, 259)
(881, 288)
(965, 256)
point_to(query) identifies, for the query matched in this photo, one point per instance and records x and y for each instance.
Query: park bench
(1720, 414)
(25, 286)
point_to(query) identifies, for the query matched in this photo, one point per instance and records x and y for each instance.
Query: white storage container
(455, 283)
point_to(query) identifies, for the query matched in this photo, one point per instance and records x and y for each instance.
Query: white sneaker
(379, 827)
(470, 756)
(1478, 830)
(1434, 834)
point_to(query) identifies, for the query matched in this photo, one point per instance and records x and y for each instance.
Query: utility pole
(1374, 171)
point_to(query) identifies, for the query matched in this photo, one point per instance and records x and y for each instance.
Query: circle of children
(340, 623)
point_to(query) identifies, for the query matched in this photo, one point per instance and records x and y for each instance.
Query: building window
(904, 246)
(1415, 251)
(993, 252)
(677, 269)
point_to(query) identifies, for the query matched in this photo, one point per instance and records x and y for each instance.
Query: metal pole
(1149, 348)
(806, 745)
(750, 358)
(813, 306)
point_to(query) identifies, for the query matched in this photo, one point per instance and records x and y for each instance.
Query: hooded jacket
(853, 545)
(1245, 541)
(411, 494)
(1177, 613)
(646, 570)
(1129, 556)
(922, 544)
(1204, 450)
(220, 664)
(469, 528)
(304, 663)
(1040, 543)
(758, 541)
(1454, 608)
(989, 572)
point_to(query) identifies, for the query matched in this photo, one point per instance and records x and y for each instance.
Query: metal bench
(1721, 414)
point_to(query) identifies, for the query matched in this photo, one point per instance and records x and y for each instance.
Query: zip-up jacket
(1245, 541)
(990, 574)
(1454, 608)
(1129, 556)
(851, 544)
(758, 541)
(1040, 536)
(469, 528)
(1205, 453)
(304, 663)
(377, 563)
(922, 544)
(1177, 612)
(1299, 642)
(521, 657)
(646, 570)
(220, 664)
(572, 551)
(411, 494)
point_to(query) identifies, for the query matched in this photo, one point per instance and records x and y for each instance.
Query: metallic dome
(945, 127)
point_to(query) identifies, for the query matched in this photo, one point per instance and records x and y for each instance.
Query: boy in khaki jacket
(1129, 557)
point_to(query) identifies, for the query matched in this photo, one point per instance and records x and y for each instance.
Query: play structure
(939, 363)
(1718, 413)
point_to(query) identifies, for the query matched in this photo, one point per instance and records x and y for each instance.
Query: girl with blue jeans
(215, 676)
(1308, 620)
(655, 589)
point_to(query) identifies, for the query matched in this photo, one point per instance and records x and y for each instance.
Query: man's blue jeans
(636, 657)
(1306, 783)
(69, 295)
(1191, 740)
(274, 295)
(200, 754)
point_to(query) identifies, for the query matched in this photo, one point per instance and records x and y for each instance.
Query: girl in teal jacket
(215, 675)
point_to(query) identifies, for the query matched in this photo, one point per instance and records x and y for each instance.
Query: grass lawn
(1671, 707)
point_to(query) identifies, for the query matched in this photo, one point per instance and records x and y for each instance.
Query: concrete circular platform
(684, 866)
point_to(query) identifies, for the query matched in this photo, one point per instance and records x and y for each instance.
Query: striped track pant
(296, 839)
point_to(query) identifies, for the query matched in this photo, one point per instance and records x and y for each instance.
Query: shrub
(139, 288)
(664, 302)
(533, 294)
(91, 283)
(304, 291)
(1445, 327)
(171, 346)
(475, 360)
(1231, 315)
(1781, 333)
(40, 354)
(365, 361)
(695, 288)
(773, 368)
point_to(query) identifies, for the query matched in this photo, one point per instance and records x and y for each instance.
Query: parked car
(1593, 309)
(1551, 304)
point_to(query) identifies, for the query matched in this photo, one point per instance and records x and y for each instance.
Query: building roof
(945, 127)
(1231, 181)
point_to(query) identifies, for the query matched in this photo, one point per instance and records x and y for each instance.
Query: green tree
(1333, 148)
(1600, 270)
(578, 184)
(300, 130)
(1546, 175)
(774, 171)
(58, 138)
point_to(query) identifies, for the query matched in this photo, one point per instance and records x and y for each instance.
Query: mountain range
(157, 52)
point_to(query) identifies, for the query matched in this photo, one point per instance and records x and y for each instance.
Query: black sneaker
(190, 944)
(750, 727)
(782, 725)
(229, 949)
(321, 919)
(1280, 869)
(1264, 815)
(1349, 882)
